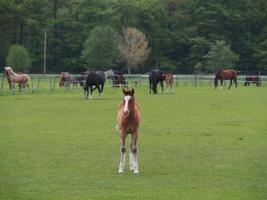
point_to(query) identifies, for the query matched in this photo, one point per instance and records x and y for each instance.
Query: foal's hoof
(135, 172)
(121, 172)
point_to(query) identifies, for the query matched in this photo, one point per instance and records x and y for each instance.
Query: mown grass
(197, 143)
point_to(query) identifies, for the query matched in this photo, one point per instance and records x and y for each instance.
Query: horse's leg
(10, 86)
(150, 86)
(13, 88)
(231, 81)
(161, 83)
(122, 152)
(221, 83)
(99, 90)
(86, 91)
(154, 85)
(235, 80)
(133, 154)
(90, 92)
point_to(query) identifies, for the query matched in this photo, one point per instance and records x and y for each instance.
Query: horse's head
(8, 69)
(218, 75)
(129, 100)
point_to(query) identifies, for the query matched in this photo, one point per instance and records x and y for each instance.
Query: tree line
(182, 36)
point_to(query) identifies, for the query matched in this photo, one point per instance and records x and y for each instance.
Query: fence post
(2, 83)
(195, 79)
(32, 85)
(50, 84)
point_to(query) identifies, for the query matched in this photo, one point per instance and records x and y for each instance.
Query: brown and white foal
(128, 119)
(169, 81)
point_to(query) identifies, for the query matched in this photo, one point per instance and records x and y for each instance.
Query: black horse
(96, 79)
(155, 77)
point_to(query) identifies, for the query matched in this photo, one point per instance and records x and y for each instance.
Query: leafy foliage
(221, 56)
(100, 49)
(179, 32)
(18, 58)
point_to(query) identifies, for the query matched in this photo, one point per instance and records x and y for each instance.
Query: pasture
(197, 143)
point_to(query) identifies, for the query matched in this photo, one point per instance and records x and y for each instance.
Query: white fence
(50, 82)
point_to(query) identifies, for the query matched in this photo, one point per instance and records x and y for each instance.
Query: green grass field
(197, 143)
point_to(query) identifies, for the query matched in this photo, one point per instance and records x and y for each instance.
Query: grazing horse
(155, 77)
(228, 74)
(66, 79)
(109, 74)
(119, 81)
(12, 78)
(255, 79)
(128, 121)
(169, 80)
(97, 79)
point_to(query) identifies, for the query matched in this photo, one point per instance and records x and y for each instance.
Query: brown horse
(228, 74)
(128, 119)
(66, 79)
(169, 80)
(12, 78)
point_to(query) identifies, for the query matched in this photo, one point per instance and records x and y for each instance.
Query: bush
(18, 58)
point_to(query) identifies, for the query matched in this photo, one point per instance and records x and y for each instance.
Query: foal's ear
(132, 91)
(123, 91)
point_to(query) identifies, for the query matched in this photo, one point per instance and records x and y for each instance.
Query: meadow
(196, 143)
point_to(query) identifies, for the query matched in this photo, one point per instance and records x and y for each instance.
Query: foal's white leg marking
(122, 163)
(135, 164)
(131, 160)
(126, 99)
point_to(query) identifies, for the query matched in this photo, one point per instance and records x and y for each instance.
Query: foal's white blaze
(126, 99)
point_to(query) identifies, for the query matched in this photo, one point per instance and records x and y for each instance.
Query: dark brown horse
(254, 79)
(66, 79)
(155, 77)
(227, 74)
(128, 121)
(118, 80)
(96, 79)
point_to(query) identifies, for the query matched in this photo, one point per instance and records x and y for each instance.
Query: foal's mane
(10, 71)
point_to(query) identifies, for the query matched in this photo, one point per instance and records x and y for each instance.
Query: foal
(169, 81)
(128, 119)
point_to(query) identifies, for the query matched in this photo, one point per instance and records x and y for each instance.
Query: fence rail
(50, 82)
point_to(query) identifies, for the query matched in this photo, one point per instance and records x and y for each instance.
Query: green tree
(101, 48)
(18, 58)
(220, 55)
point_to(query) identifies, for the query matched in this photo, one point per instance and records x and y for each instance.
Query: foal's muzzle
(126, 112)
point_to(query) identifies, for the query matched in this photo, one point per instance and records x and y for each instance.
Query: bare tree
(133, 47)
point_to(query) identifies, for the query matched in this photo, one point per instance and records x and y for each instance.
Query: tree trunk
(129, 70)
